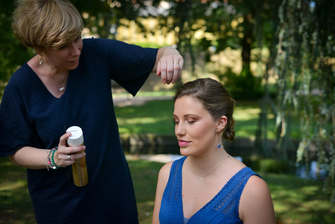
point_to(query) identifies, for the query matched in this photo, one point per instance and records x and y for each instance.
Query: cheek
(200, 132)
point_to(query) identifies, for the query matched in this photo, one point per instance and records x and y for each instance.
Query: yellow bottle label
(79, 168)
(79, 172)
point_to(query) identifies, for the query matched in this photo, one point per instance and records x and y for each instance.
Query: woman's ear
(221, 123)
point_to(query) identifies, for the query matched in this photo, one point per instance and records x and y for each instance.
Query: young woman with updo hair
(207, 185)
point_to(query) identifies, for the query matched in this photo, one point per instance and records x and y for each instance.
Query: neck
(202, 165)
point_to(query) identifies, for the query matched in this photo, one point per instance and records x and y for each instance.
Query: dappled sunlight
(142, 120)
(246, 114)
(9, 185)
(299, 200)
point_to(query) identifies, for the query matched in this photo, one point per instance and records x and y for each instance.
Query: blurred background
(277, 59)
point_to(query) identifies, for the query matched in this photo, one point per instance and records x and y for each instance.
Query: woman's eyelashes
(188, 121)
(63, 47)
(66, 45)
(77, 39)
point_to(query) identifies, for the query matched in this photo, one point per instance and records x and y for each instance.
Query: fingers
(178, 67)
(66, 156)
(170, 68)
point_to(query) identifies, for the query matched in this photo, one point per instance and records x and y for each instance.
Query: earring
(219, 146)
(40, 60)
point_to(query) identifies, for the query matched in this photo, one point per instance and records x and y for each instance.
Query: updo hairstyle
(46, 23)
(214, 98)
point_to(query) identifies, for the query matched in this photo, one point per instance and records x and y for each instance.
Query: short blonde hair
(46, 23)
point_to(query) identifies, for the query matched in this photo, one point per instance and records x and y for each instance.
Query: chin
(185, 151)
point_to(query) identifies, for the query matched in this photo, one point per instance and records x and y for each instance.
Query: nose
(179, 129)
(76, 49)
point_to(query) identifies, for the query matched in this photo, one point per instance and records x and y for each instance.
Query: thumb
(63, 138)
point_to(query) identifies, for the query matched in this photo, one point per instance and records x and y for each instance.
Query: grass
(145, 94)
(156, 117)
(296, 200)
(15, 203)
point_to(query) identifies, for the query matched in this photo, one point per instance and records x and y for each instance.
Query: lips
(183, 143)
(75, 61)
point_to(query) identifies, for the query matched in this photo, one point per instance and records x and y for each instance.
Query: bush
(244, 86)
(266, 165)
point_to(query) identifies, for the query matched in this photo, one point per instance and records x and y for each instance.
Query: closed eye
(63, 47)
(77, 39)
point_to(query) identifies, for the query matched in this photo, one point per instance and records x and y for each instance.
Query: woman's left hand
(169, 64)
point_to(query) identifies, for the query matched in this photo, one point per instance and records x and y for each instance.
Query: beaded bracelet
(48, 163)
(51, 161)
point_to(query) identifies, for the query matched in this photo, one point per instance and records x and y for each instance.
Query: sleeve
(130, 65)
(15, 131)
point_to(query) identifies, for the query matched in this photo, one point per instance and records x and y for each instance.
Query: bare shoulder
(256, 185)
(256, 204)
(165, 170)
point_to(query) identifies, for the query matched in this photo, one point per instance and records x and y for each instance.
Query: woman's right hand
(66, 156)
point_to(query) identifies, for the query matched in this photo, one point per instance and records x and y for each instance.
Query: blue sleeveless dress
(223, 208)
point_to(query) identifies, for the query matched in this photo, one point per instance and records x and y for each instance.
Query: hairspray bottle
(79, 168)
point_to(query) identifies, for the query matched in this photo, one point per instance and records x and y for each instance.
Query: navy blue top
(223, 208)
(31, 116)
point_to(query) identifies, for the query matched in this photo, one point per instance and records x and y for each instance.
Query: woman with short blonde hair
(68, 83)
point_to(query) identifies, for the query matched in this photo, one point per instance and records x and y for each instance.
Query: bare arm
(34, 158)
(163, 178)
(169, 64)
(256, 203)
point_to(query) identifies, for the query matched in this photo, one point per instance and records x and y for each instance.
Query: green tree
(104, 16)
(247, 25)
(305, 65)
(12, 52)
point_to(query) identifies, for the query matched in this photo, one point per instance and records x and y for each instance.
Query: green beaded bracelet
(53, 164)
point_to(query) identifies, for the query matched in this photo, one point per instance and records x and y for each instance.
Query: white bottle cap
(77, 137)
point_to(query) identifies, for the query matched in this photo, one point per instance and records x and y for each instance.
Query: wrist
(51, 159)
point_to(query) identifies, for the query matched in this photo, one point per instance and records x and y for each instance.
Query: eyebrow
(187, 115)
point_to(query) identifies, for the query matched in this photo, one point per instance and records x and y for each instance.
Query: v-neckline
(45, 88)
(202, 208)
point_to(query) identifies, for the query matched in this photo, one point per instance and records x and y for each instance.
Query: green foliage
(244, 86)
(12, 52)
(273, 166)
(267, 165)
(305, 67)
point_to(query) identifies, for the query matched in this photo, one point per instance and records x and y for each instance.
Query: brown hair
(46, 23)
(214, 98)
